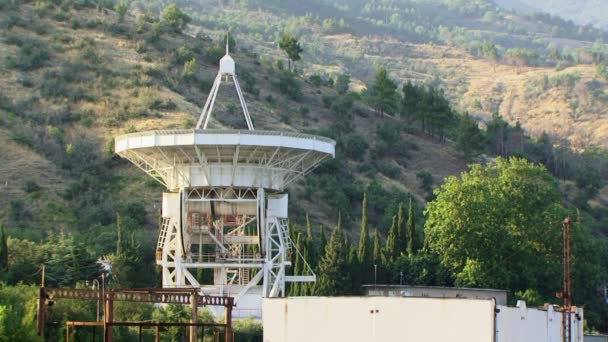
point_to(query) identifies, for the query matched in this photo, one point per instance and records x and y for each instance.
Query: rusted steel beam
(168, 296)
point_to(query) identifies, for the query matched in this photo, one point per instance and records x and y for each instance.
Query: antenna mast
(227, 69)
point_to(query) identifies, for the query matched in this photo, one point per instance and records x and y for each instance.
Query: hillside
(441, 44)
(581, 12)
(71, 80)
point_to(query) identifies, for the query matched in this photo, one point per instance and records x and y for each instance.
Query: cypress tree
(322, 244)
(354, 268)
(377, 257)
(309, 243)
(294, 289)
(334, 275)
(3, 249)
(412, 243)
(365, 252)
(401, 228)
(392, 242)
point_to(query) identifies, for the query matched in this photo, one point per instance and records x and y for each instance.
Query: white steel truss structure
(224, 218)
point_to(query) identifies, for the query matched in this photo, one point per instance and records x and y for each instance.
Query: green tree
(292, 48)
(469, 138)
(602, 71)
(18, 313)
(499, 226)
(3, 249)
(121, 10)
(412, 237)
(190, 69)
(342, 83)
(402, 240)
(489, 51)
(334, 274)
(294, 288)
(377, 255)
(384, 92)
(175, 18)
(365, 252)
(392, 251)
(322, 243)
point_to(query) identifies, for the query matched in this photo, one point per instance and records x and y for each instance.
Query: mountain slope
(587, 12)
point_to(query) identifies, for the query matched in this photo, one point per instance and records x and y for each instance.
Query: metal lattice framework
(226, 209)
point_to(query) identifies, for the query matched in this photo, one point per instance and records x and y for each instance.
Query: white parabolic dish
(234, 158)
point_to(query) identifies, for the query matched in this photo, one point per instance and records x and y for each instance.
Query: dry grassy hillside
(100, 77)
(569, 103)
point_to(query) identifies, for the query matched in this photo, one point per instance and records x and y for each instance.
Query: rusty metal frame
(184, 296)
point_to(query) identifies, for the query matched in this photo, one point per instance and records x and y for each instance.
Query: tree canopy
(292, 48)
(499, 226)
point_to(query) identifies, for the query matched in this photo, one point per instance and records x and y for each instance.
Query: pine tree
(412, 239)
(392, 242)
(334, 275)
(365, 252)
(377, 256)
(401, 228)
(3, 249)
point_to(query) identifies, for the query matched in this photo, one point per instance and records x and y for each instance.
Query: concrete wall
(377, 319)
(531, 324)
(596, 338)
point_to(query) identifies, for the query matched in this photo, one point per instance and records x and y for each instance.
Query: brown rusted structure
(184, 296)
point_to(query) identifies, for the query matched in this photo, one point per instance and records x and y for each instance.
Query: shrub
(31, 186)
(289, 85)
(214, 54)
(31, 55)
(175, 18)
(190, 69)
(389, 169)
(426, 180)
(354, 147)
(183, 54)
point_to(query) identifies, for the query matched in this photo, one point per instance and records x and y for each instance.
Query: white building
(411, 319)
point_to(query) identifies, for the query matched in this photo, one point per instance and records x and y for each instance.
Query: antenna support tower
(224, 224)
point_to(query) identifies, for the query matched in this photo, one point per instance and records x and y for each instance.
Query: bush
(288, 85)
(389, 169)
(354, 147)
(31, 55)
(214, 54)
(190, 69)
(183, 55)
(426, 180)
(31, 186)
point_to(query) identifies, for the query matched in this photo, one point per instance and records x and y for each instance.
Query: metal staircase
(162, 236)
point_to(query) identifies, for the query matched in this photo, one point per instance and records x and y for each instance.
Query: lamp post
(375, 276)
(400, 277)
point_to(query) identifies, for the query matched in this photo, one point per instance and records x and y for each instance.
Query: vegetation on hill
(76, 73)
(581, 12)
